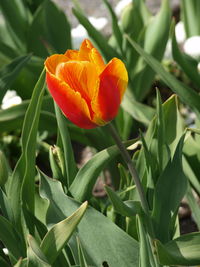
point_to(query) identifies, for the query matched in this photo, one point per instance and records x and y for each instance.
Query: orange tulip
(87, 90)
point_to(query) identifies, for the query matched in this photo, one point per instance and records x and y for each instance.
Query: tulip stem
(138, 185)
(131, 167)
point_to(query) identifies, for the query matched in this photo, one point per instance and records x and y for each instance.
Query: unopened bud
(56, 162)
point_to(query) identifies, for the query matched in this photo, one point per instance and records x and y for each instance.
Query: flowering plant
(123, 206)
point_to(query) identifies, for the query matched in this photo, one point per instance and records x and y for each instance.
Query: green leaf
(3, 263)
(137, 110)
(44, 36)
(36, 258)
(13, 117)
(190, 11)
(11, 239)
(3, 169)
(5, 206)
(115, 27)
(60, 233)
(99, 39)
(15, 11)
(21, 263)
(114, 246)
(9, 73)
(192, 159)
(81, 255)
(121, 207)
(144, 246)
(8, 51)
(180, 251)
(165, 141)
(82, 186)
(69, 162)
(188, 65)
(169, 190)
(155, 40)
(193, 205)
(22, 186)
(160, 131)
(186, 94)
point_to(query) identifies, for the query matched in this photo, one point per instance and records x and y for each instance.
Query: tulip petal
(89, 53)
(52, 62)
(72, 54)
(81, 76)
(85, 50)
(97, 59)
(113, 82)
(70, 102)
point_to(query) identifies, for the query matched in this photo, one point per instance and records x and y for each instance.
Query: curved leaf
(114, 246)
(82, 186)
(186, 94)
(60, 233)
(180, 251)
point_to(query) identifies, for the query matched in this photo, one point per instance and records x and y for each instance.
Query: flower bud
(56, 162)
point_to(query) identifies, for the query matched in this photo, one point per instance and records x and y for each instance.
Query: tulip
(87, 90)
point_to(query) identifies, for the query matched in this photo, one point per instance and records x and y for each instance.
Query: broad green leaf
(171, 116)
(155, 40)
(36, 257)
(167, 139)
(5, 206)
(144, 246)
(190, 11)
(69, 162)
(9, 73)
(124, 123)
(186, 94)
(3, 169)
(11, 239)
(188, 64)
(15, 11)
(81, 255)
(190, 171)
(99, 39)
(137, 110)
(13, 117)
(192, 160)
(28, 77)
(43, 34)
(8, 51)
(82, 186)
(114, 246)
(3, 263)
(22, 186)
(132, 19)
(115, 27)
(60, 233)
(180, 251)
(194, 206)
(169, 190)
(127, 208)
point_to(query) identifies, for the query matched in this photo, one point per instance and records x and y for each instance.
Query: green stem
(138, 185)
(131, 168)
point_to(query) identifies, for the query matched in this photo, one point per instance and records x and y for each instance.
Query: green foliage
(42, 221)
